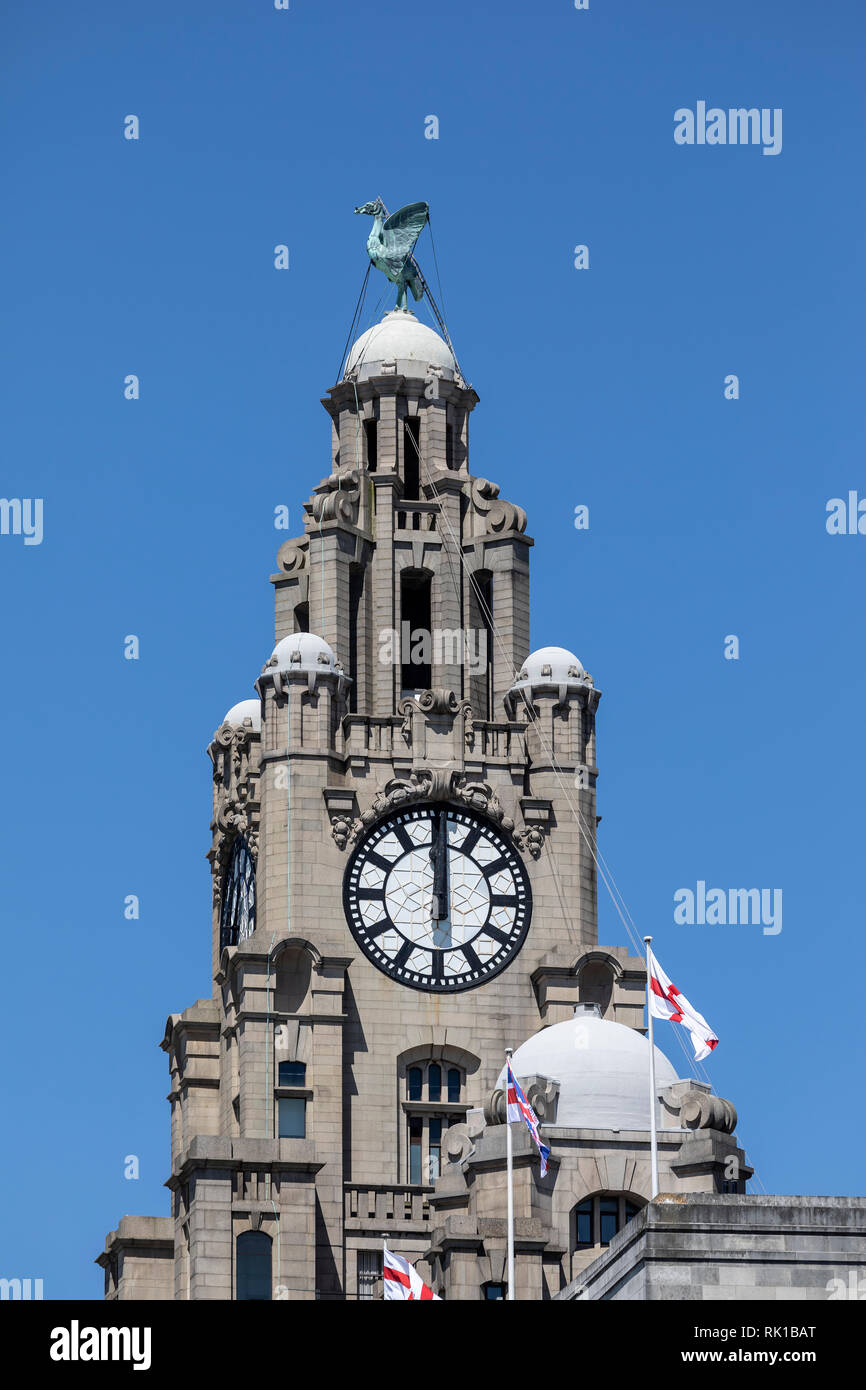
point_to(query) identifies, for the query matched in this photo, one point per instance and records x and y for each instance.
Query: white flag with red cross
(666, 1001)
(403, 1281)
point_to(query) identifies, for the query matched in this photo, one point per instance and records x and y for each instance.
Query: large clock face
(437, 898)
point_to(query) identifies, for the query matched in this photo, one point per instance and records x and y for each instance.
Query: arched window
(596, 1220)
(253, 1280)
(238, 910)
(425, 1130)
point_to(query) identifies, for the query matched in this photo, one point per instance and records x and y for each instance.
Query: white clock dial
(437, 898)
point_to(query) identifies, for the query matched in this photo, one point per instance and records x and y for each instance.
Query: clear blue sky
(602, 387)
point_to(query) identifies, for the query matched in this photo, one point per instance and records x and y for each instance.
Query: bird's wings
(403, 229)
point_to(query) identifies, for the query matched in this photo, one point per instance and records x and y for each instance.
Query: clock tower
(404, 877)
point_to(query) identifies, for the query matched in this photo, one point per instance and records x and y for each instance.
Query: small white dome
(300, 651)
(602, 1069)
(551, 665)
(403, 339)
(246, 709)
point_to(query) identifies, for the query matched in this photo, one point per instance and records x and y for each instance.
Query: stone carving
(337, 498)
(498, 514)
(292, 556)
(701, 1110)
(530, 840)
(540, 1091)
(341, 828)
(438, 702)
(236, 806)
(433, 784)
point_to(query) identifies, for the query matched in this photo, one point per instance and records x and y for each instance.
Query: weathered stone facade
(335, 741)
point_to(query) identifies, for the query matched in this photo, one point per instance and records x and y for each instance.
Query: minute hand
(441, 905)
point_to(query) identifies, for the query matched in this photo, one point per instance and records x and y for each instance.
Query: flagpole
(654, 1143)
(508, 1166)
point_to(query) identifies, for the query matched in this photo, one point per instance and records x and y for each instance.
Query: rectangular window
(435, 1149)
(583, 1222)
(449, 446)
(292, 1073)
(293, 1118)
(369, 1273)
(415, 1138)
(453, 1085)
(494, 1290)
(370, 434)
(608, 1210)
(411, 458)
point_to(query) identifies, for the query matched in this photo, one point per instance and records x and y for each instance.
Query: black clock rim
(459, 809)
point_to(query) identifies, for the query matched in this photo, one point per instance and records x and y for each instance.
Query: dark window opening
(414, 1083)
(434, 1082)
(372, 440)
(292, 1073)
(292, 1117)
(449, 446)
(356, 590)
(453, 1085)
(494, 1290)
(583, 1223)
(608, 1211)
(412, 458)
(415, 1143)
(302, 617)
(253, 1267)
(415, 635)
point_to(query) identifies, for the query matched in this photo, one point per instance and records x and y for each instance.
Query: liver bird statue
(392, 241)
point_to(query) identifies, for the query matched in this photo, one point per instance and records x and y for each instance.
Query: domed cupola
(548, 669)
(602, 1069)
(402, 340)
(303, 653)
(244, 712)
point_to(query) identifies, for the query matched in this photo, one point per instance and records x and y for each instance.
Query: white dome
(246, 709)
(301, 651)
(551, 665)
(602, 1069)
(403, 339)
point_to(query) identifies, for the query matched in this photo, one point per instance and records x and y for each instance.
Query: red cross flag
(403, 1281)
(666, 1001)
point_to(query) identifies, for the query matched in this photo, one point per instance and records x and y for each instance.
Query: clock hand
(441, 904)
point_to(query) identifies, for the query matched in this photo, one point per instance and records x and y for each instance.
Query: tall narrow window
(434, 1081)
(414, 1083)
(253, 1284)
(356, 590)
(372, 442)
(583, 1223)
(411, 458)
(435, 1149)
(369, 1273)
(608, 1209)
(453, 1085)
(415, 635)
(292, 1117)
(416, 1128)
(449, 446)
(302, 617)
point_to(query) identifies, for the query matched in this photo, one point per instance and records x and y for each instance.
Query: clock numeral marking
(471, 841)
(404, 953)
(436, 967)
(380, 861)
(497, 935)
(374, 895)
(407, 843)
(471, 959)
(377, 928)
(498, 864)
(503, 899)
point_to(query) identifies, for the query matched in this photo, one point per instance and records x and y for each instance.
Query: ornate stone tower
(403, 872)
